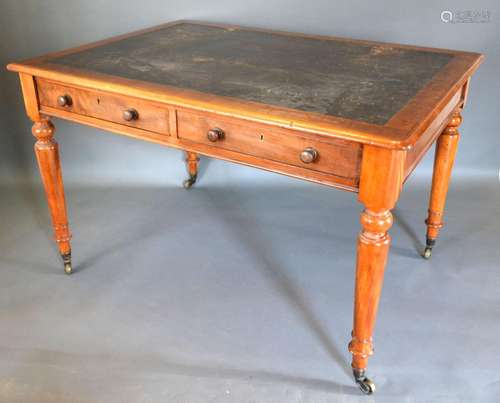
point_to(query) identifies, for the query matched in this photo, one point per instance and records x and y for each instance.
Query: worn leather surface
(357, 81)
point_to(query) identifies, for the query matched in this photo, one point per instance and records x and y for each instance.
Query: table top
(359, 87)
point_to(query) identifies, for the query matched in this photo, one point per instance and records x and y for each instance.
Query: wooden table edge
(395, 134)
(423, 108)
(312, 122)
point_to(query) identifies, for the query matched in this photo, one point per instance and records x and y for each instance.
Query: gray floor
(226, 294)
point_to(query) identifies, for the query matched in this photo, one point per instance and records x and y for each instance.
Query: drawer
(97, 104)
(331, 156)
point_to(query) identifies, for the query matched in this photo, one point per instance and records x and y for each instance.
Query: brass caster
(366, 385)
(188, 183)
(67, 268)
(67, 263)
(428, 248)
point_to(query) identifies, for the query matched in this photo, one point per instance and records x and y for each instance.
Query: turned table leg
(47, 154)
(192, 161)
(382, 174)
(446, 147)
(373, 247)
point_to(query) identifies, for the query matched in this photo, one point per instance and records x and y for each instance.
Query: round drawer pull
(215, 134)
(64, 100)
(309, 155)
(130, 114)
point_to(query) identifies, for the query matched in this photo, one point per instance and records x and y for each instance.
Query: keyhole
(261, 137)
(98, 101)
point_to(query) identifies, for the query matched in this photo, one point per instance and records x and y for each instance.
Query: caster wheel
(427, 253)
(188, 183)
(366, 385)
(67, 268)
(67, 263)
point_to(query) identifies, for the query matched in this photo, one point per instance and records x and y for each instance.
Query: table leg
(47, 154)
(446, 147)
(373, 247)
(192, 161)
(382, 174)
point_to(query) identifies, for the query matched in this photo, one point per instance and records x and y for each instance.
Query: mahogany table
(350, 114)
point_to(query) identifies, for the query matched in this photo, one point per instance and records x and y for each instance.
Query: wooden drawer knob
(64, 100)
(130, 114)
(309, 155)
(215, 134)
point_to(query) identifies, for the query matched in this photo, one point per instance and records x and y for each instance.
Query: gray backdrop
(229, 293)
(31, 27)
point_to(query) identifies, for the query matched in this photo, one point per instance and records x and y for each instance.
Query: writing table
(350, 114)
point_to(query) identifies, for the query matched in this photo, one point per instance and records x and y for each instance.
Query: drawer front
(337, 157)
(105, 106)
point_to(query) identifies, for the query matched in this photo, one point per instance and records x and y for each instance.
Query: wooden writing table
(355, 115)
